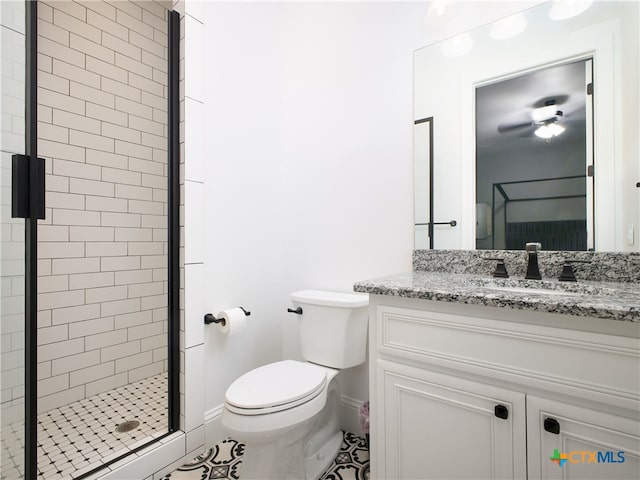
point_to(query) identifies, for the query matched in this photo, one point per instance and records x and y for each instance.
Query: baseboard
(214, 433)
(351, 415)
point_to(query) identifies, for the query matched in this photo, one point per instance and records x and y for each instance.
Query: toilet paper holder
(209, 318)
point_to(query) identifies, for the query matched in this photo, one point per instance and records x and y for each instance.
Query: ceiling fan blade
(514, 127)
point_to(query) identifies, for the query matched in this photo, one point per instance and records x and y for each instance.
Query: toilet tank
(333, 327)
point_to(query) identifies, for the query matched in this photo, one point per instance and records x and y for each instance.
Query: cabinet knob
(551, 425)
(501, 411)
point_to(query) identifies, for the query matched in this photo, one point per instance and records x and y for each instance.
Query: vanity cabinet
(437, 424)
(463, 391)
(573, 430)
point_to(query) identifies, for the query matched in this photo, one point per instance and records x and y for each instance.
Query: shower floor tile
(83, 435)
(224, 462)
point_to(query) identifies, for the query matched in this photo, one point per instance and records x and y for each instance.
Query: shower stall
(90, 195)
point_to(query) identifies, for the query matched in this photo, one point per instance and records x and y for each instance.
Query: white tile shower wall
(103, 246)
(197, 292)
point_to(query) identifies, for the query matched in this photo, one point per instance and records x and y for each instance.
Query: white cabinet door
(444, 427)
(569, 442)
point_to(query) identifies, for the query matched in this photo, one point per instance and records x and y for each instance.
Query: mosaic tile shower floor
(81, 436)
(224, 462)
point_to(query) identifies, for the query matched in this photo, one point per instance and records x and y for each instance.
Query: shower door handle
(20, 191)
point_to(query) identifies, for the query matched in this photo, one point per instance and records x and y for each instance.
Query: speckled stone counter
(599, 266)
(608, 285)
(609, 300)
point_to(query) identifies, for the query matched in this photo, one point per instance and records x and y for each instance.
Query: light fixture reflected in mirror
(563, 9)
(508, 27)
(549, 130)
(437, 8)
(439, 11)
(457, 46)
(548, 117)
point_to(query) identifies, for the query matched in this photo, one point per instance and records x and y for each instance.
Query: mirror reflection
(423, 177)
(516, 138)
(532, 158)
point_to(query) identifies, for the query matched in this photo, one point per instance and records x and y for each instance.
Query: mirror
(457, 91)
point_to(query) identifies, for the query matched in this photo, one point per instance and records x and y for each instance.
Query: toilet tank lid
(331, 299)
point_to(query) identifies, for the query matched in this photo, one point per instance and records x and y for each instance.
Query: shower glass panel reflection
(103, 246)
(12, 243)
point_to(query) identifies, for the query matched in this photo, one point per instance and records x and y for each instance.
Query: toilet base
(302, 452)
(316, 464)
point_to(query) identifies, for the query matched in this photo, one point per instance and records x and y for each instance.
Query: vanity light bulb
(508, 27)
(438, 12)
(563, 9)
(457, 46)
(438, 7)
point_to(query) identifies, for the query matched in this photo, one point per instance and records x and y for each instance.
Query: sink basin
(540, 287)
(534, 291)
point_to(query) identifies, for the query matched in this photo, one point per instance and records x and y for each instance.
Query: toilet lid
(277, 384)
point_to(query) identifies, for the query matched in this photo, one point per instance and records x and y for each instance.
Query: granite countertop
(609, 300)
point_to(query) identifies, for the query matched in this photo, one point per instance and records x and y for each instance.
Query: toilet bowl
(295, 432)
(287, 413)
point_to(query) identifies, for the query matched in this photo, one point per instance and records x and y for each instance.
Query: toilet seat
(275, 387)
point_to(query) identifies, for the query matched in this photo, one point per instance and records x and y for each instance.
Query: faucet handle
(501, 268)
(568, 275)
(533, 246)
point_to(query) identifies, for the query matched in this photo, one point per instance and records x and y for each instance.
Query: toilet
(287, 413)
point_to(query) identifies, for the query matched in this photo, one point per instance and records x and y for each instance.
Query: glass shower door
(12, 243)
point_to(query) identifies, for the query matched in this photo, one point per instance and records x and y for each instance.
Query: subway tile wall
(103, 246)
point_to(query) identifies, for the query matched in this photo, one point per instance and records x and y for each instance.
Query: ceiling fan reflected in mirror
(545, 118)
(550, 128)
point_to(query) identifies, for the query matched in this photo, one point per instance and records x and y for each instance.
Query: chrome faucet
(533, 272)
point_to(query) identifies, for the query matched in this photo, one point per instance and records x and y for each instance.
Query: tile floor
(224, 462)
(12, 460)
(81, 436)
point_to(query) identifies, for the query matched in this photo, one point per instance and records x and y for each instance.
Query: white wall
(309, 168)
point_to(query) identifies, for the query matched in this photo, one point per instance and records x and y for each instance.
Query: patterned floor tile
(224, 461)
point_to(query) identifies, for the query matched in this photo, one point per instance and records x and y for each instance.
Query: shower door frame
(31, 241)
(173, 281)
(31, 245)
